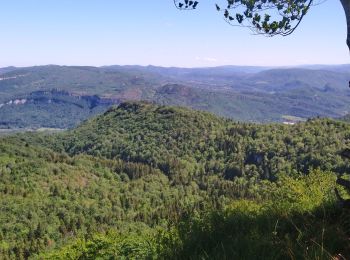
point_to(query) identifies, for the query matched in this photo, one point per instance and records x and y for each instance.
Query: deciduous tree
(268, 17)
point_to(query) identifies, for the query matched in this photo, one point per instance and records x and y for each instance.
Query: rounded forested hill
(190, 143)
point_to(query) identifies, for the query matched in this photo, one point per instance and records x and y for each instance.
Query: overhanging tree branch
(268, 17)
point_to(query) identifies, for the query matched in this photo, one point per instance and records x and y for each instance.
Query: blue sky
(105, 32)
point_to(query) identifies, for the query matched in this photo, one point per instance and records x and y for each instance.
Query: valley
(63, 96)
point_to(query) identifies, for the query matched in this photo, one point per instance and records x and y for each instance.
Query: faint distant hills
(337, 68)
(63, 96)
(7, 69)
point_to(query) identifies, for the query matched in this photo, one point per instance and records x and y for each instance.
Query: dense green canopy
(151, 182)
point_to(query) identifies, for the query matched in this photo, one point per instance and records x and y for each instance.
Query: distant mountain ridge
(7, 69)
(244, 93)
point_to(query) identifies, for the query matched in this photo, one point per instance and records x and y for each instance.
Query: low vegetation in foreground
(153, 182)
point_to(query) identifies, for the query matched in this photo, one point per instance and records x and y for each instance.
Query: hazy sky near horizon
(106, 32)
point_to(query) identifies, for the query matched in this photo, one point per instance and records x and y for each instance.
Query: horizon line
(182, 67)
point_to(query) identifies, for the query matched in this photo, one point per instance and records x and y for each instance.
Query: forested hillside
(144, 181)
(173, 138)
